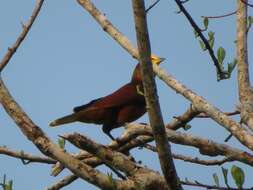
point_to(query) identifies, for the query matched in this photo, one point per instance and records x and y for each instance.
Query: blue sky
(68, 60)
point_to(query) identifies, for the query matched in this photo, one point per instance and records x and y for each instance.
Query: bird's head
(156, 60)
(136, 77)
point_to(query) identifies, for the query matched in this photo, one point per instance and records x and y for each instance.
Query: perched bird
(125, 105)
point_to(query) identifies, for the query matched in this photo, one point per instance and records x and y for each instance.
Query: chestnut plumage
(125, 105)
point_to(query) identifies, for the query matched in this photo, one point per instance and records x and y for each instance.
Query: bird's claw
(139, 90)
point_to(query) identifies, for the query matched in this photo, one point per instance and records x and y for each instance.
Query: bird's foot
(138, 89)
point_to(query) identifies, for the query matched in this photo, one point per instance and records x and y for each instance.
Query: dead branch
(25, 157)
(195, 160)
(140, 175)
(197, 184)
(21, 37)
(63, 182)
(181, 121)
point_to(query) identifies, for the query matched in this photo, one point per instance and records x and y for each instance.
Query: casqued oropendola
(125, 105)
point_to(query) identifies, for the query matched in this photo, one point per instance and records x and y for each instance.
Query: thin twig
(201, 185)
(203, 38)
(21, 37)
(247, 3)
(63, 182)
(195, 160)
(181, 121)
(151, 6)
(25, 156)
(203, 115)
(220, 16)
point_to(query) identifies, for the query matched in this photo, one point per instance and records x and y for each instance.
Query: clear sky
(68, 60)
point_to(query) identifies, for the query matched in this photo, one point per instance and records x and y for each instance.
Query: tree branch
(21, 37)
(150, 92)
(244, 87)
(181, 121)
(139, 175)
(202, 105)
(197, 184)
(47, 147)
(198, 102)
(220, 71)
(195, 160)
(25, 156)
(151, 6)
(205, 146)
(63, 182)
(108, 27)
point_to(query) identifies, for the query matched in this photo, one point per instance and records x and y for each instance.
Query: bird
(124, 105)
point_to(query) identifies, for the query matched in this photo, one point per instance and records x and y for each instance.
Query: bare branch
(181, 121)
(108, 27)
(203, 115)
(151, 97)
(220, 16)
(205, 146)
(25, 156)
(244, 86)
(202, 105)
(247, 3)
(197, 184)
(63, 182)
(195, 160)
(111, 158)
(139, 175)
(151, 6)
(21, 37)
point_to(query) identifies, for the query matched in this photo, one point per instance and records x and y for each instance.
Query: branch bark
(21, 37)
(150, 92)
(142, 177)
(245, 89)
(202, 105)
(25, 156)
(205, 146)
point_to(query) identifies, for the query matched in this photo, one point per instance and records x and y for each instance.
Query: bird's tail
(64, 120)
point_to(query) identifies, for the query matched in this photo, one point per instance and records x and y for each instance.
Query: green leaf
(112, 181)
(61, 143)
(211, 34)
(221, 54)
(206, 22)
(225, 175)
(211, 38)
(231, 66)
(216, 180)
(8, 186)
(238, 176)
(211, 42)
(202, 45)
